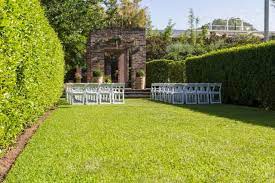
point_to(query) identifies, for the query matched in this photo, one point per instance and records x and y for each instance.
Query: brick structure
(118, 53)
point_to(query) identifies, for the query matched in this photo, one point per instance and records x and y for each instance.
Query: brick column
(121, 68)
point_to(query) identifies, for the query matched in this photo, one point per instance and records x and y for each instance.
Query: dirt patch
(7, 161)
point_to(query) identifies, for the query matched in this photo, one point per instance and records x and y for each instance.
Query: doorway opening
(111, 67)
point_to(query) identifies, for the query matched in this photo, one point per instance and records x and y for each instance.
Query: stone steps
(134, 93)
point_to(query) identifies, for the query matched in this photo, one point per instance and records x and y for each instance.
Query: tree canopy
(74, 19)
(125, 14)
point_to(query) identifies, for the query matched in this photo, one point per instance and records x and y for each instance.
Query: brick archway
(129, 46)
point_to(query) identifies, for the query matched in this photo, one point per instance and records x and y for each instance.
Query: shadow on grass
(64, 106)
(255, 116)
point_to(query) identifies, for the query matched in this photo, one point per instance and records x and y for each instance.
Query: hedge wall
(31, 67)
(157, 71)
(247, 73)
(273, 84)
(177, 72)
(244, 71)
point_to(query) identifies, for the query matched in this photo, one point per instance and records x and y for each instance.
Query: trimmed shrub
(31, 67)
(273, 85)
(244, 71)
(157, 71)
(247, 73)
(177, 72)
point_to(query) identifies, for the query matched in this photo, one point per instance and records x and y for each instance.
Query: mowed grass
(144, 141)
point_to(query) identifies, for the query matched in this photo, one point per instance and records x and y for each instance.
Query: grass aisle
(150, 142)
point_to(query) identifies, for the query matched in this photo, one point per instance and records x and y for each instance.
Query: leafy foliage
(140, 73)
(162, 44)
(244, 71)
(180, 51)
(73, 20)
(182, 47)
(177, 72)
(157, 42)
(157, 71)
(247, 73)
(31, 67)
(125, 14)
(97, 73)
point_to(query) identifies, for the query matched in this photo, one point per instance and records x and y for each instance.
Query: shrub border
(8, 159)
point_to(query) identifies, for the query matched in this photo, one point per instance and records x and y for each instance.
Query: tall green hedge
(157, 71)
(247, 73)
(31, 66)
(177, 72)
(244, 71)
(273, 85)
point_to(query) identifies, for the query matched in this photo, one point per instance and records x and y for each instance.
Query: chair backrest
(118, 87)
(215, 87)
(171, 87)
(105, 87)
(154, 87)
(68, 87)
(178, 87)
(92, 87)
(191, 87)
(78, 87)
(202, 87)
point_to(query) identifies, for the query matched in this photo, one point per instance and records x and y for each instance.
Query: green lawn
(144, 141)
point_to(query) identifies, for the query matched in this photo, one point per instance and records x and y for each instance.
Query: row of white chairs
(187, 93)
(93, 93)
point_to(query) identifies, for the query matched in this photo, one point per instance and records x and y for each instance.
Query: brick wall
(133, 41)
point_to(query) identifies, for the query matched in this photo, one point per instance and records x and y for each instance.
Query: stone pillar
(121, 68)
(127, 67)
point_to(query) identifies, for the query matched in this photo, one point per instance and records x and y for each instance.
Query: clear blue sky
(250, 10)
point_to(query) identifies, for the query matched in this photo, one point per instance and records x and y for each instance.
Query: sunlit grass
(143, 141)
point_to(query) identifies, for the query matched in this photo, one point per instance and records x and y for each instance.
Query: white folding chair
(203, 93)
(105, 93)
(91, 94)
(191, 93)
(178, 95)
(215, 93)
(169, 92)
(153, 91)
(118, 93)
(158, 92)
(165, 92)
(68, 91)
(77, 94)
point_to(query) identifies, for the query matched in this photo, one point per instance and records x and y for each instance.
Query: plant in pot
(140, 79)
(78, 77)
(107, 79)
(98, 76)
